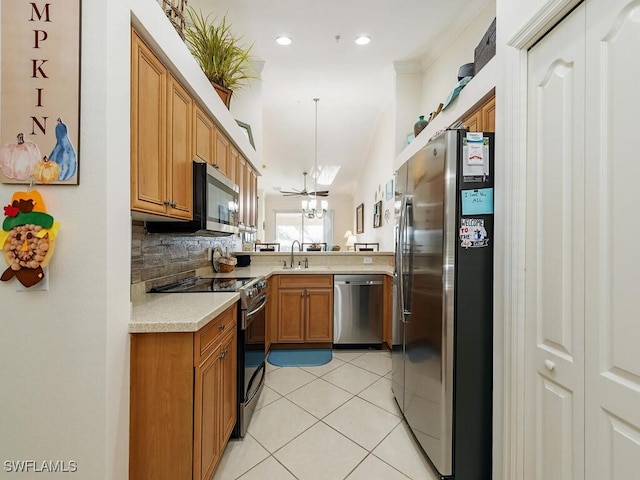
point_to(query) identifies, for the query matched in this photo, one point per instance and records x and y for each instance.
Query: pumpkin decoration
(63, 153)
(17, 159)
(27, 238)
(46, 171)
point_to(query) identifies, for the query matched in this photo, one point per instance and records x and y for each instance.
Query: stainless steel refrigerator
(443, 288)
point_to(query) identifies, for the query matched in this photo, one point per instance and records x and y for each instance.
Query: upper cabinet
(169, 130)
(222, 153)
(482, 118)
(179, 164)
(204, 132)
(161, 175)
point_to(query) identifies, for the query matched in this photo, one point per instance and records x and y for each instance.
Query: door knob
(550, 365)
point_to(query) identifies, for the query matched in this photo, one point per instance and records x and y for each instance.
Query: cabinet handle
(550, 365)
(223, 354)
(302, 294)
(308, 294)
(167, 202)
(221, 326)
(174, 204)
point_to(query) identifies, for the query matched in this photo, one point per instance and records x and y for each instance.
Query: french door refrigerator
(443, 305)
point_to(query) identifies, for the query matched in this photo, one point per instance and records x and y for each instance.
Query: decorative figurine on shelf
(27, 238)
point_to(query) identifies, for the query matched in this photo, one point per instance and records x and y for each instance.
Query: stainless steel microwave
(215, 205)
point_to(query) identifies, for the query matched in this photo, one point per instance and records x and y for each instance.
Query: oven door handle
(254, 391)
(249, 314)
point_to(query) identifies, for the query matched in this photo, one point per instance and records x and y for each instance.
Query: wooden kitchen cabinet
(222, 153)
(253, 197)
(204, 134)
(234, 160)
(240, 176)
(183, 400)
(247, 178)
(482, 118)
(179, 157)
(215, 395)
(168, 131)
(304, 309)
(161, 175)
(489, 115)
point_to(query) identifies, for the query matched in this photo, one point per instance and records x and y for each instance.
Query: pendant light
(310, 208)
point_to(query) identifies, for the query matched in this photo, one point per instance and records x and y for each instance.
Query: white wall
(64, 368)
(246, 106)
(373, 180)
(441, 76)
(408, 88)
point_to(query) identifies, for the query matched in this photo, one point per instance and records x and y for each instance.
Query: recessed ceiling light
(363, 40)
(283, 40)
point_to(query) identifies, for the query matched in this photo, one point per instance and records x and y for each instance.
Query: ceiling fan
(304, 192)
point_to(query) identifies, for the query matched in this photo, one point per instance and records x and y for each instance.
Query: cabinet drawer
(305, 281)
(207, 337)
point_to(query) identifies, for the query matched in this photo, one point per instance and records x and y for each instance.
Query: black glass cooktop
(200, 284)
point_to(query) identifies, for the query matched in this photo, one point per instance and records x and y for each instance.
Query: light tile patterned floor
(333, 422)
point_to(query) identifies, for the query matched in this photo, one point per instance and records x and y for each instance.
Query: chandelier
(310, 208)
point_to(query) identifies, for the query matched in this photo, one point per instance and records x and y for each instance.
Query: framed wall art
(40, 97)
(360, 218)
(388, 191)
(377, 214)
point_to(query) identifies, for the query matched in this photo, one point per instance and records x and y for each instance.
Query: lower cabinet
(304, 309)
(183, 400)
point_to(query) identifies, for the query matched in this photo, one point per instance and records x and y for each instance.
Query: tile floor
(333, 422)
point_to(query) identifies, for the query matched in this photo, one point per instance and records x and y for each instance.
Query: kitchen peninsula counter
(189, 312)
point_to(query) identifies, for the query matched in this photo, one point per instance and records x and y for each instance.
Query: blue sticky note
(477, 202)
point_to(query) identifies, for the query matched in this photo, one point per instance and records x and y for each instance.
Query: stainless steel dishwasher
(357, 309)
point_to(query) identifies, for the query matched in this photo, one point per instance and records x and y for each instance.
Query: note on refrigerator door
(472, 233)
(475, 154)
(477, 201)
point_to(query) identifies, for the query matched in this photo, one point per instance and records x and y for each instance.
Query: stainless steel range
(252, 354)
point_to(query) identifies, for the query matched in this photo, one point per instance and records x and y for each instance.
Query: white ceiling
(355, 84)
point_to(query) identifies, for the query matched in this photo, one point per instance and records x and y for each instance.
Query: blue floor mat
(300, 357)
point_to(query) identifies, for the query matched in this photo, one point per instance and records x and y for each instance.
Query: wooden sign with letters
(40, 97)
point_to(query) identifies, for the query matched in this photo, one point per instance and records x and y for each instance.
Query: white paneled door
(554, 393)
(612, 268)
(582, 335)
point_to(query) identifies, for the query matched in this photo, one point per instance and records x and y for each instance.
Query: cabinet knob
(550, 365)
(174, 204)
(221, 326)
(223, 354)
(307, 294)
(167, 202)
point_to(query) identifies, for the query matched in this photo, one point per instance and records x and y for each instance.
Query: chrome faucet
(299, 250)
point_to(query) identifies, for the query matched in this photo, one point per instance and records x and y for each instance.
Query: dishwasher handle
(358, 283)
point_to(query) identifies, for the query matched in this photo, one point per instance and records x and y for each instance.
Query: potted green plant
(224, 61)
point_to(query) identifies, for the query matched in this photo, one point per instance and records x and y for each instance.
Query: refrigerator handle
(402, 230)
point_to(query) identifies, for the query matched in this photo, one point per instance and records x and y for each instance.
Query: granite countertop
(268, 271)
(189, 312)
(178, 312)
